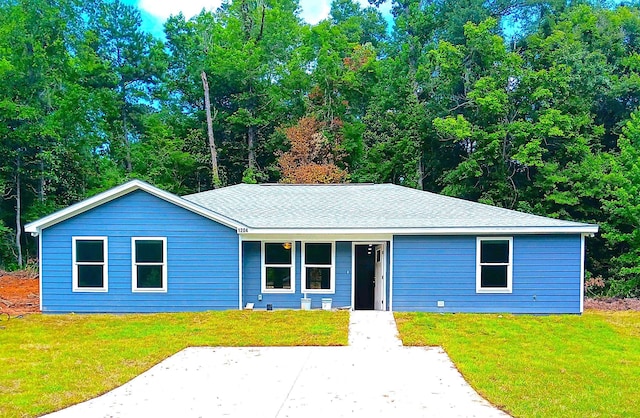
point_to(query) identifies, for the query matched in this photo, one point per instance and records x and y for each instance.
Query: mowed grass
(541, 366)
(48, 362)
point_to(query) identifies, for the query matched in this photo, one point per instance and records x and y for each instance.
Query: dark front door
(365, 277)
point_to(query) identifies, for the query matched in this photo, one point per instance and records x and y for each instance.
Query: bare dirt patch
(612, 304)
(19, 293)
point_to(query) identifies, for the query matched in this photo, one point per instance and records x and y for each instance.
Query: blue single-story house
(136, 248)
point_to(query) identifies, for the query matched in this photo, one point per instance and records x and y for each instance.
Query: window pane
(149, 277)
(90, 276)
(317, 253)
(275, 253)
(90, 251)
(493, 276)
(318, 278)
(148, 251)
(494, 251)
(278, 278)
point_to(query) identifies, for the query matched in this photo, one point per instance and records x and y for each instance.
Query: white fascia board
(35, 227)
(257, 233)
(312, 235)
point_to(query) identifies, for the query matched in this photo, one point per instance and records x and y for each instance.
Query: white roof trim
(314, 236)
(490, 230)
(35, 227)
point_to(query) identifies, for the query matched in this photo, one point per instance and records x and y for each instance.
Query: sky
(155, 12)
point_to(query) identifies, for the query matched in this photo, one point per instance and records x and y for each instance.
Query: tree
(253, 73)
(32, 68)
(161, 157)
(136, 62)
(312, 157)
(622, 206)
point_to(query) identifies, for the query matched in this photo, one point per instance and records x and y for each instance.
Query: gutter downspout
(240, 258)
(39, 233)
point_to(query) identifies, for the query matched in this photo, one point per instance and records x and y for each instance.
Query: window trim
(332, 267)
(134, 270)
(105, 264)
(264, 265)
(479, 288)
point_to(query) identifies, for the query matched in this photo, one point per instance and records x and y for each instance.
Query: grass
(541, 366)
(48, 362)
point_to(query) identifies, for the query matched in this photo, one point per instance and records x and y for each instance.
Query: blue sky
(155, 12)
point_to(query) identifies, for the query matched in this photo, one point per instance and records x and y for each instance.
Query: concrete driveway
(374, 376)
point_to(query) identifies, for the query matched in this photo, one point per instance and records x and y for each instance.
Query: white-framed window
(278, 267)
(318, 267)
(494, 264)
(149, 264)
(90, 264)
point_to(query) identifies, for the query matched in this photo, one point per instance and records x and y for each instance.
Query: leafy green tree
(251, 69)
(622, 207)
(361, 25)
(162, 158)
(33, 69)
(135, 62)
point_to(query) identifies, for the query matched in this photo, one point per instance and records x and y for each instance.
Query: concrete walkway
(373, 330)
(374, 376)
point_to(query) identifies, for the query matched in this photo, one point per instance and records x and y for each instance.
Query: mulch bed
(19, 293)
(612, 304)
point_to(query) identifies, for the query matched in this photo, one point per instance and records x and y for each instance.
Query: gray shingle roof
(361, 206)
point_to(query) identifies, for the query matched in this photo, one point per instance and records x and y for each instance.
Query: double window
(90, 265)
(494, 270)
(278, 267)
(318, 272)
(149, 269)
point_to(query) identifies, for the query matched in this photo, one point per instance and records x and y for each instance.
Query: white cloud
(164, 8)
(313, 11)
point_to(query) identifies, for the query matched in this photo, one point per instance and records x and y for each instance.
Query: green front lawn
(48, 362)
(541, 366)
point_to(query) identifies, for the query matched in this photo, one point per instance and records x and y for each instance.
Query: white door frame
(379, 286)
(353, 270)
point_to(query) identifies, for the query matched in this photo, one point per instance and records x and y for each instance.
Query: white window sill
(90, 290)
(494, 290)
(319, 291)
(278, 291)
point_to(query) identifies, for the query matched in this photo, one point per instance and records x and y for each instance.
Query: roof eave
(101, 198)
(490, 230)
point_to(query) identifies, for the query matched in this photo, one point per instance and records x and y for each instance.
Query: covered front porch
(280, 272)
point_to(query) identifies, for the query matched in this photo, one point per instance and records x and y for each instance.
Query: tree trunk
(215, 174)
(125, 132)
(41, 188)
(126, 143)
(421, 174)
(18, 212)
(251, 140)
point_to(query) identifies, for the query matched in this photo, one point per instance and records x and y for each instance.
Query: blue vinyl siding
(251, 280)
(546, 275)
(202, 258)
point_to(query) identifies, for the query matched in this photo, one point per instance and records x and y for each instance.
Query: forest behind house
(525, 104)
